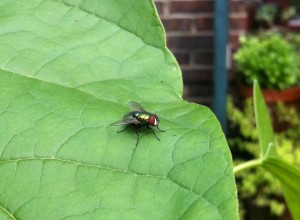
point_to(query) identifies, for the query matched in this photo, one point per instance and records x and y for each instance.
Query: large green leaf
(67, 70)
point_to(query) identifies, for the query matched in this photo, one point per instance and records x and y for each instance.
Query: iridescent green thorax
(142, 117)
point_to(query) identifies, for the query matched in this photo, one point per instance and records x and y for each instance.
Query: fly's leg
(124, 129)
(159, 129)
(138, 137)
(153, 133)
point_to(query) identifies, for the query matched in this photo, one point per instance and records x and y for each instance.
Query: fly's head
(153, 120)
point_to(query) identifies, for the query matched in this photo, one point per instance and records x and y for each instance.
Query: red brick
(204, 23)
(238, 23)
(176, 24)
(201, 93)
(195, 76)
(160, 7)
(190, 42)
(234, 41)
(191, 6)
(204, 58)
(237, 6)
(198, 85)
(182, 57)
(200, 89)
(207, 101)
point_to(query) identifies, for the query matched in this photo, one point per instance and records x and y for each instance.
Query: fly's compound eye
(153, 120)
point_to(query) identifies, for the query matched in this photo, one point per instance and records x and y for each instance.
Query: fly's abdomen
(141, 117)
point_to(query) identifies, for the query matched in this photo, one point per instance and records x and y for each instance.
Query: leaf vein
(9, 214)
(95, 166)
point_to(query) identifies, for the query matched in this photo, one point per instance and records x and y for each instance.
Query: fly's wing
(126, 121)
(134, 106)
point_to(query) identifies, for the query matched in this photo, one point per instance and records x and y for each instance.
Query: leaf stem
(247, 165)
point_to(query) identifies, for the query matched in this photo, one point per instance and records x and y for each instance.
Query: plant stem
(247, 165)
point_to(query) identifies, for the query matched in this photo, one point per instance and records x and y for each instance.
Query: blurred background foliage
(257, 187)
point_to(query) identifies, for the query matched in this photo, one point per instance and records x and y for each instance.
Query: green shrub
(270, 59)
(266, 13)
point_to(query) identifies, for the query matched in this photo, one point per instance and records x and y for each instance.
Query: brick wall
(190, 35)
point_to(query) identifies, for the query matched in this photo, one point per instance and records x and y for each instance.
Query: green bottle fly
(138, 118)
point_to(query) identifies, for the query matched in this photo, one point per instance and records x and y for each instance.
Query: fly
(138, 117)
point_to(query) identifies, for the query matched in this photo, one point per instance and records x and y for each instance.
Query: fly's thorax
(143, 117)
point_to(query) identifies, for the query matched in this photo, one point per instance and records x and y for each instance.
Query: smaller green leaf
(263, 124)
(289, 177)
